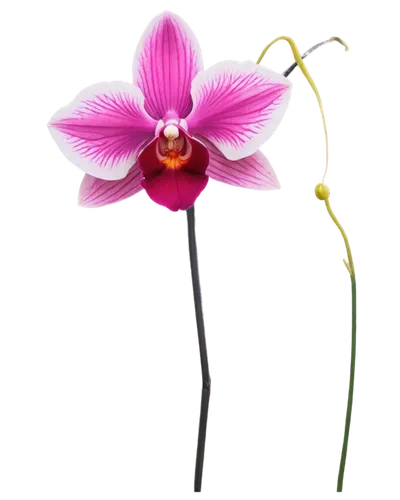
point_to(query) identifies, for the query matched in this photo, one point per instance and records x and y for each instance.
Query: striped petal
(238, 106)
(103, 129)
(254, 172)
(167, 59)
(96, 192)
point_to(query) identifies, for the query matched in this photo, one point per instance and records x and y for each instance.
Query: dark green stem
(351, 385)
(205, 371)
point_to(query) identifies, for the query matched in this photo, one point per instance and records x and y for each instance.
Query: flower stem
(349, 403)
(206, 389)
(322, 192)
(350, 264)
(310, 51)
(308, 76)
(351, 385)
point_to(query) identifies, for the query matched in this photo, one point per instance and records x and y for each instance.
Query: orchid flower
(175, 126)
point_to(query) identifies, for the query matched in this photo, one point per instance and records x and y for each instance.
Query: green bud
(321, 191)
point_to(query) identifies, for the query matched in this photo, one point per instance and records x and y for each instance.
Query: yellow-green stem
(307, 75)
(302, 66)
(322, 192)
(350, 264)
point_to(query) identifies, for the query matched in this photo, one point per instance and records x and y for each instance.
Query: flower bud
(321, 191)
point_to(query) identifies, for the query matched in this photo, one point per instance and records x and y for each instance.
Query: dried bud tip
(347, 266)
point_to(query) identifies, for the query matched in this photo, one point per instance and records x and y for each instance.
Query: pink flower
(175, 126)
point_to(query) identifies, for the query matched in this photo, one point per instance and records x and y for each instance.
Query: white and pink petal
(253, 172)
(96, 192)
(103, 129)
(167, 59)
(238, 106)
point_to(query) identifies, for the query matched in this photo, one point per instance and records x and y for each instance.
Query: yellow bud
(322, 191)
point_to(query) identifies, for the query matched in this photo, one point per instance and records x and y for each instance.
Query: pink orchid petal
(167, 59)
(254, 172)
(103, 129)
(175, 189)
(96, 192)
(238, 106)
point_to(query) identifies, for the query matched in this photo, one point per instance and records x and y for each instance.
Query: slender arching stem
(206, 388)
(350, 264)
(299, 62)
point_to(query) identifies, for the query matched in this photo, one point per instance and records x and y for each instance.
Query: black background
(275, 302)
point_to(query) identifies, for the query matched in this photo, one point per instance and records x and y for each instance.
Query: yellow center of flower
(174, 160)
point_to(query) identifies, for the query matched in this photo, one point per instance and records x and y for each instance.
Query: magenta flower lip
(175, 126)
(174, 175)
